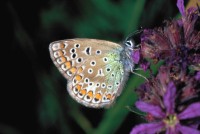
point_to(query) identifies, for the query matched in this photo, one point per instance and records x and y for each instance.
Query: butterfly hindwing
(92, 67)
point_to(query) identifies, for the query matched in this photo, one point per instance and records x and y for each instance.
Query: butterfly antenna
(133, 33)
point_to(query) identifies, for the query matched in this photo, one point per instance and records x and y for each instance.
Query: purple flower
(144, 65)
(197, 77)
(180, 5)
(167, 119)
(172, 98)
(136, 56)
(154, 90)
(178, 43)
(171, 105)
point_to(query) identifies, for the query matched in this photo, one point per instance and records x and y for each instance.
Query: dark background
(34, 99)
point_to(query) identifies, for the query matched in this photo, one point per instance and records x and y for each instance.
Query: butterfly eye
(129, 43)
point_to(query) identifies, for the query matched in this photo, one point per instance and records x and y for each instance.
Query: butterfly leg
(139, 74)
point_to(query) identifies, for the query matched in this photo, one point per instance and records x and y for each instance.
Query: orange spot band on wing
(78, 77)
(68, 64)
(78, 87)
(63, 59)
(62, 46)
(90, 94)
(73, 70)
(83, 91)
(59, 53)
(108, 96)
(80, 70)
(98, 96)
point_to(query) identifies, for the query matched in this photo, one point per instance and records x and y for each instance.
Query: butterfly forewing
(92, 67)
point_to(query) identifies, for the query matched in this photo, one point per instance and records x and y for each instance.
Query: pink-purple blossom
(172, 98)
(166, 118)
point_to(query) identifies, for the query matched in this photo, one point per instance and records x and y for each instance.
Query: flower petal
(136, 56)
(187, 130)
(197, 77)
(173, 32)
(169, 98)
(150, 128)
(144, 65)
(156, 111)
(180, 5)
(171, 131)
(189, 22)
(154, 44)
(191, 111)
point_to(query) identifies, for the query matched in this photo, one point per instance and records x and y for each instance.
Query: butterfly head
(130, 54)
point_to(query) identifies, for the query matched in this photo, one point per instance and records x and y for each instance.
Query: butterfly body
(96, 70)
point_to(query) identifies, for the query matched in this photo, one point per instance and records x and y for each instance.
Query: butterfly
(96, 70)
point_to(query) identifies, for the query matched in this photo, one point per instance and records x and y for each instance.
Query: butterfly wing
(92, 67)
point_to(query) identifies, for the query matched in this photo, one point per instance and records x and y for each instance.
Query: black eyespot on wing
(87, 51)
(73, 55)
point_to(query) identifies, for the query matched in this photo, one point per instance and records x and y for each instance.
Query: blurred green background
(34, 99)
